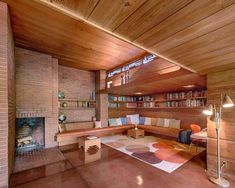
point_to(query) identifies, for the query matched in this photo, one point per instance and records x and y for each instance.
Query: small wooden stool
(85, 142)
(135, 133)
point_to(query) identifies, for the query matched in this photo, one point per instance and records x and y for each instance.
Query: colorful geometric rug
(164, 154)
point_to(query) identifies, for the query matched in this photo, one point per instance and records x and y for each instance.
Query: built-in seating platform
(71, 136)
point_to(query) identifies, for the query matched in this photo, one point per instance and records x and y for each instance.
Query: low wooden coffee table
(86, 143)
(135, 133)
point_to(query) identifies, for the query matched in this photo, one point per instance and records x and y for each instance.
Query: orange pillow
(195, 128)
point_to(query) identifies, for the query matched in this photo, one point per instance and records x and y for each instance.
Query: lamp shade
(227, 102)
(208, 111)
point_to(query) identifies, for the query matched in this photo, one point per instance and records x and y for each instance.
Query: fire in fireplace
(29, 134)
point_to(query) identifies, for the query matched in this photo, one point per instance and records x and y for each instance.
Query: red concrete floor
(113, 170)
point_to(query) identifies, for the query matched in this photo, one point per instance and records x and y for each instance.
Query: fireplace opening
(30, 134)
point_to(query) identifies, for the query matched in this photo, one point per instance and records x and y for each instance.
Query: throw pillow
(98, 124)
(147, 121)
(112, 122)
(133, 119)
(174, 123)
(142, 120)
(160, 122)
(124, 121)
(167, 122)
(153, 121)
(119, 121)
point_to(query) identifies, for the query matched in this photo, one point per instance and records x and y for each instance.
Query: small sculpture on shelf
(62, 118)
(61, 95)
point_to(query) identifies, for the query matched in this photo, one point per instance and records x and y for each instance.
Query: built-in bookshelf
(184, 99)
(75, 104)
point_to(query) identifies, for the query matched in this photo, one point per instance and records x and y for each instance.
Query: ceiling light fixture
(189, 86)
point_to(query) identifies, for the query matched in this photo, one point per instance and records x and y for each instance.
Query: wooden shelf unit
(76, 104)
(163, 102)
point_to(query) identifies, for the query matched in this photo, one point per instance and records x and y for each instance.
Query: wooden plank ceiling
(75, 43)
(198, 34)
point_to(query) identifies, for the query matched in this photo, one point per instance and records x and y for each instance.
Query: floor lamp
(215, 112)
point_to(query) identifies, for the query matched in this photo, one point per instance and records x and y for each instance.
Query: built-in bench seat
(69, 137)
(165, 131)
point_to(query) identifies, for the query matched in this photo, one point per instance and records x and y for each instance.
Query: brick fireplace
(37, 90)
(30, 134)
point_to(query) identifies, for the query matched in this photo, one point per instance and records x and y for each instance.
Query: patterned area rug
(164, 154)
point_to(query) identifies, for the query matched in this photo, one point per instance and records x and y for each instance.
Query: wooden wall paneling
(217, 83)
(187, 116)
(225, 144)
(212, 162)
(116, 112)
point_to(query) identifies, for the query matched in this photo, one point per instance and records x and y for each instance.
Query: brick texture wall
(7, 96)
(77, 84)
(37, 89)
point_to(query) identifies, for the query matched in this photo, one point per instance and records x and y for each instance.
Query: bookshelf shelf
(76, 104)
(76, 100)
(166, 100)
(183, 99)
(76, 108)
(125, 108)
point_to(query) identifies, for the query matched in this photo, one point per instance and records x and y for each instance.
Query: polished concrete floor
(113, 170)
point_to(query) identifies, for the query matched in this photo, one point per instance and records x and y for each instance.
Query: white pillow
(147, 121)
(134, 118)
(167, 122)
(119, 121)
(98, 124)
(175, 124)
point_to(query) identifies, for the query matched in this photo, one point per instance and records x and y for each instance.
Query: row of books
(114, 105)
(122, 98)
(130, 99)
(183, 95)
(186, 103)
(147, 105)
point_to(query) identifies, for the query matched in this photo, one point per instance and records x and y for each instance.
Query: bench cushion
(166, 131)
